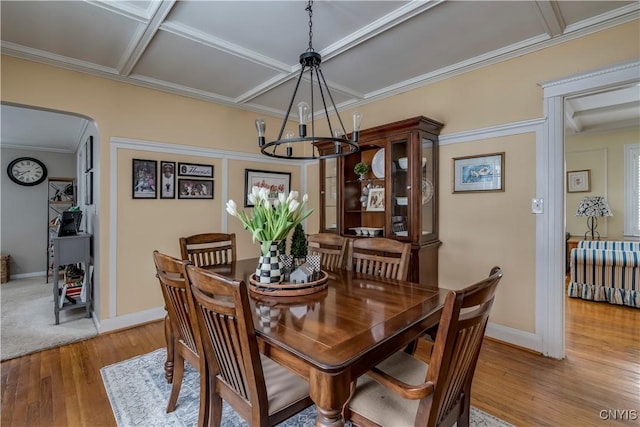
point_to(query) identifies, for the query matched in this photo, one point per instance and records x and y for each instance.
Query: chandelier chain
(310, 9)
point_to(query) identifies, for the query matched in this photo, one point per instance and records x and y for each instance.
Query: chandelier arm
(333, 104)
(313, 113)
(295, 91)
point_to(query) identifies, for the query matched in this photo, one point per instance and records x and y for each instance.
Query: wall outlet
(537, 206)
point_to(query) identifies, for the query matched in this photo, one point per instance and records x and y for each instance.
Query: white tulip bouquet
(271, 221)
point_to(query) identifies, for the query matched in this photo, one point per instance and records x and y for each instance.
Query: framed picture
(275, 182)
(145, 176)
(579, 181)
(478, 173)
(195, 188)
(88, 188)
(375, 200)
(88, 154)
(168, 180)
(195, 170)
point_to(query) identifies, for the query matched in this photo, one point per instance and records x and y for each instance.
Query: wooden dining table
(337, 334)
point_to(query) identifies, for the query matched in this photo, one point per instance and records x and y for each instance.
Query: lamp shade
(593, 206)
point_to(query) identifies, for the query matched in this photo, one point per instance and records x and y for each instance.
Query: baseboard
(28, 275)
(129, 320)
(515, 337)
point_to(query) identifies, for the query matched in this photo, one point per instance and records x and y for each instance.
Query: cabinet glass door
(427, 198)
(330, 196)
(400, 191)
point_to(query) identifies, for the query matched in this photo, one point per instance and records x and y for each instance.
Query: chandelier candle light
(269, 223)
(336, 144)
(592, 207)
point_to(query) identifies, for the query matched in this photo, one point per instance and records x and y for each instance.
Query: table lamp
(592, 207)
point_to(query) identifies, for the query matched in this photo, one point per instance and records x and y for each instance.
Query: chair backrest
(331, 248)
(209, 249)
(379, 256)
(222, 310)
(174, 284)
(455, 352)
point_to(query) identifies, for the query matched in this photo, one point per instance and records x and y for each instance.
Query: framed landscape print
(478, 173)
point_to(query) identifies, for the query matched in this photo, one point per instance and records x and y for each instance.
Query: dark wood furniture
(331, 248)
(404, 390)
(410, 210)
(379, 256)
(333, 337)
(209, 249)
(257, 388)
(180, 334)
(71, 250)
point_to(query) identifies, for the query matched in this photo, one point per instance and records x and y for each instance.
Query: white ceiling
(245, 53)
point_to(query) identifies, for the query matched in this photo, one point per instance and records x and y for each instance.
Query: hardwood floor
(63, 386)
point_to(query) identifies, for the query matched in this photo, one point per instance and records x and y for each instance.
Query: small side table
(71, 250)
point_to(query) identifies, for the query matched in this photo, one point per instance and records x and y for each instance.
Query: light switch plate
(537, 206)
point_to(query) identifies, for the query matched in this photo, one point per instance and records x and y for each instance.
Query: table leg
(169, 338)
(329, 392)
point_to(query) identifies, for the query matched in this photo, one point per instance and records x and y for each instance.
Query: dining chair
(209, 249)
(405, 391)
(379, 256)
(261, 391)
(181, 333)
(331, 248)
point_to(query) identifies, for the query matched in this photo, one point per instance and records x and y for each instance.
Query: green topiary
(361, 168)
(299, 243)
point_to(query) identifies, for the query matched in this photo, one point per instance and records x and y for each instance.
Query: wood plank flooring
(63, 386)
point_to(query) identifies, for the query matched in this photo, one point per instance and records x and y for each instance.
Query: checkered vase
(270, 269)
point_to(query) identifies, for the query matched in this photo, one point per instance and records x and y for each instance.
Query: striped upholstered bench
(606, 271)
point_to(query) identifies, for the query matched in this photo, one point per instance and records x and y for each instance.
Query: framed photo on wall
(195, 170)
(145, 176)
(88, 154)
(167, 180)
(88, 188)
(579, 181)
(195, 188)
(478, 173)
(275, 182)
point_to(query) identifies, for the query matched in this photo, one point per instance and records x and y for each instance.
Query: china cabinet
(397, 198)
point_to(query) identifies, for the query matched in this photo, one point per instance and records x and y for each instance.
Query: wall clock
(27, 171)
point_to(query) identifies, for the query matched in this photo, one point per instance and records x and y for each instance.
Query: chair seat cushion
(283, 387)
(382, 406)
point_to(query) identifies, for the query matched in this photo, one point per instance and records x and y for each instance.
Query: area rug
(138, 393)
(28, 321)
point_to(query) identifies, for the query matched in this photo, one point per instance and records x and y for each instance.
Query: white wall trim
(42, 274)
(531, 341)
(492, 132)
(128, 320)
(118, 143)
(550, 170)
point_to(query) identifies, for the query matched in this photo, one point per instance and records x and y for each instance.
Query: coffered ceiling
(245, 53)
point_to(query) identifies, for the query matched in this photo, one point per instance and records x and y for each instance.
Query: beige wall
(603, 155)
(477, 231)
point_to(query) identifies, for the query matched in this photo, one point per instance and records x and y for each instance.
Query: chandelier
(336, 144)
